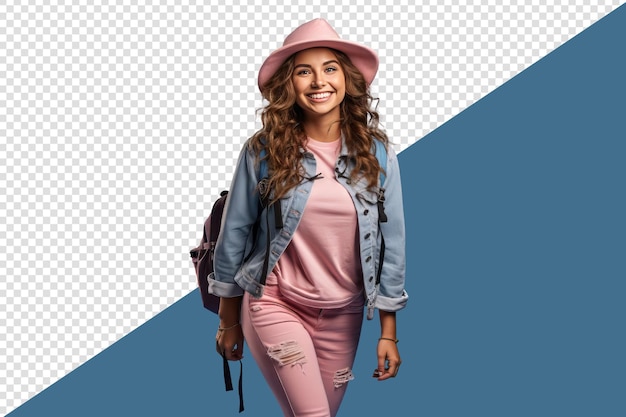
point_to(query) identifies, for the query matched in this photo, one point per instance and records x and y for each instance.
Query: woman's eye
(331, 69)
(302, 72)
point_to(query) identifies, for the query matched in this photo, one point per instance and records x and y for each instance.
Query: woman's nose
(318, 82)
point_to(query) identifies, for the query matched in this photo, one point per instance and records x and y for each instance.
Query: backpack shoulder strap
(263, 171)
(381, 155)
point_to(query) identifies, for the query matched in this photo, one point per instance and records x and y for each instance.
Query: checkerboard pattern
(120, 122)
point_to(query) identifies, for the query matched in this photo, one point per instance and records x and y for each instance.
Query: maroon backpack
(202, 256)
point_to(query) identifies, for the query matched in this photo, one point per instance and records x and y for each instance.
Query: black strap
(228, 381)
(268, 242)
(382, 218)
(381, 257)
(278, 214)
(240, 386)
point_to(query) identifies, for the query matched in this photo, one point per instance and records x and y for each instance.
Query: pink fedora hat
(314, 34)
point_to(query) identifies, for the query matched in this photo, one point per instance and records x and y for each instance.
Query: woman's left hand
(388, 359)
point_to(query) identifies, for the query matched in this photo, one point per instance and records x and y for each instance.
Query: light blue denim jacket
(238, 270)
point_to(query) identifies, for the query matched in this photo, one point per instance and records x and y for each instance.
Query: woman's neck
(322, 132)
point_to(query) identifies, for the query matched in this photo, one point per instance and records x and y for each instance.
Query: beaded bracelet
(391, 340)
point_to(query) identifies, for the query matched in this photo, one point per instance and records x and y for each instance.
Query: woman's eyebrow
(324, 64)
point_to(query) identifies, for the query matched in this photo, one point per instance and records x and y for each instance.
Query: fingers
(394, 368)
(388, 363)
(232, 351)
(390, 370)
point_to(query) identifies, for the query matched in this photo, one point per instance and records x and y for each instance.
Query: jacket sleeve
(392, 295)
(240, 213)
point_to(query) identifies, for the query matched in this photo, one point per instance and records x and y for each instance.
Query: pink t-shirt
(320, 267)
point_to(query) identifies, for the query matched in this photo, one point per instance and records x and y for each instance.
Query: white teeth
(319, 95)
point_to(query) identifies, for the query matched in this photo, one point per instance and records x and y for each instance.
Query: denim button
(371, 279)
(366, 212)
(369, 258)
(367, 236)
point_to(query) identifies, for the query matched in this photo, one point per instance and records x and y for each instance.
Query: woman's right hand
(229, 341)
(229, 337)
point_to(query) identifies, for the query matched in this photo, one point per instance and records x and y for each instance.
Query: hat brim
(364, 58)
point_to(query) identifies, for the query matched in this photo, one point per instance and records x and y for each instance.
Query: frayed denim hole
(342, 376)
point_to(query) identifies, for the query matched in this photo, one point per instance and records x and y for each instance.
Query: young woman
(327, 262)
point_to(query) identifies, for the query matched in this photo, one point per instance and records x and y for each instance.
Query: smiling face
(319, 83)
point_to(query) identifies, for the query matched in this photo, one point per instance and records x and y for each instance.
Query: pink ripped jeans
(306, 354)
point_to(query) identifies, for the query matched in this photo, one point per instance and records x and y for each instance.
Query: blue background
(516, 270)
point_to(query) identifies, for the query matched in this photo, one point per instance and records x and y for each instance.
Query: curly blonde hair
(282, 135)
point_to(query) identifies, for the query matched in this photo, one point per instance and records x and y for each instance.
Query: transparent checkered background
(120, 121)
